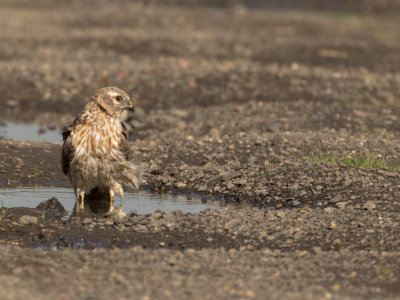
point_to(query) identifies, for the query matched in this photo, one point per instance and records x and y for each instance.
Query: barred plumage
(96, 151)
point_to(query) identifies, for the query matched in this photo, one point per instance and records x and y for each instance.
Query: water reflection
(97, 204)
(143, 202)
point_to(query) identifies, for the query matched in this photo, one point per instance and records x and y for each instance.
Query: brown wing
(124, 144)
(68, 150)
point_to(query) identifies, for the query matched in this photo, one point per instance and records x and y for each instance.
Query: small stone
(214, 132)
(281, 214)
(353, 274)
(180, 185)
(189, 137)
(243, 181)
(230, 185)
(329, 210)
(317, 250)
(202, 188)
(28, 220)
(369, 205)
(51, 205)
(341, 205)
(87, 221)
(249, 294)
(332, 225)
(336, 199)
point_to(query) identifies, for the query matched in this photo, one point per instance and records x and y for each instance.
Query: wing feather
(124, 144)
(68, 149)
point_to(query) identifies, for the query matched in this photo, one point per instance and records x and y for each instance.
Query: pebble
(369, 205)
(281, 214)
(180, 185)
(202, 188)
(28, 220)
(341, 205)
(329, 210)
(87, 221)
(336, 199)
(230, 185)
(317, 250)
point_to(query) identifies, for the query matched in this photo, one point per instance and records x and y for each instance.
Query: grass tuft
(360, 160)
(36, 171)
(322, 158)
(355, 160)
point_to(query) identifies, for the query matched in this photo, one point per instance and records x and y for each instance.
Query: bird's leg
(80, 195)
(120, 210)
(111, 200)
(82, 199)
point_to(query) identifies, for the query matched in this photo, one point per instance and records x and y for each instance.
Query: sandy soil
(275, 111)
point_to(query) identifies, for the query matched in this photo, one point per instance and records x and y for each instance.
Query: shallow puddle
(28, 132)
(143, 202)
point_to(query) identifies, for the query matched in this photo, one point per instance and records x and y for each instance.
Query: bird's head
(113, 100)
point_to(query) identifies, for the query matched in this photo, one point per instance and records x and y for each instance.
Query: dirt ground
(288, 116)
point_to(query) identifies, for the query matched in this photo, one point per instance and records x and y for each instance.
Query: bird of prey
(96, 153)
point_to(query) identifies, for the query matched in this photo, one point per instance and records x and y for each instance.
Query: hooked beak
(128, 105)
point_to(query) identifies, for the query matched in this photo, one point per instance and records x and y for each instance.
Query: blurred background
(330, 57)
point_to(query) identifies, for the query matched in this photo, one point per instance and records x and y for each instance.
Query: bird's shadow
(96, 204)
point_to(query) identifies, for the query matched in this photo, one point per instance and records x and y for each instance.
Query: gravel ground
(290, 117)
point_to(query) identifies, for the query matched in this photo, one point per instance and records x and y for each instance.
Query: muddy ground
(290, 116)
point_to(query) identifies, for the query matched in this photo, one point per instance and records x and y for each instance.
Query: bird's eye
(119, 98)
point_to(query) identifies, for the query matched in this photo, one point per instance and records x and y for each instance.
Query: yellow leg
(120, 210)
(111, 200)
(82, 199)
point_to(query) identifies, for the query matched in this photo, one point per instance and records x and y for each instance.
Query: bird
(96, 153)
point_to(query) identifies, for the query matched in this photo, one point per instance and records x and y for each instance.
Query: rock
(243, 181)
(214, 132)
(52, 204)
(87, 221)
(329, 210)
(230, 185)
(317, 250)
(202, 188)
(369, 205)
(332, 225)
(28, 220)
(341, 205)
(336, 199)
(180, 185)
(281, 214)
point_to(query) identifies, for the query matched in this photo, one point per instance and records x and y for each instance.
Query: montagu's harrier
(96, 152)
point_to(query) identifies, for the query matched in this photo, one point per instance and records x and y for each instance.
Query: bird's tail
(130, 175)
